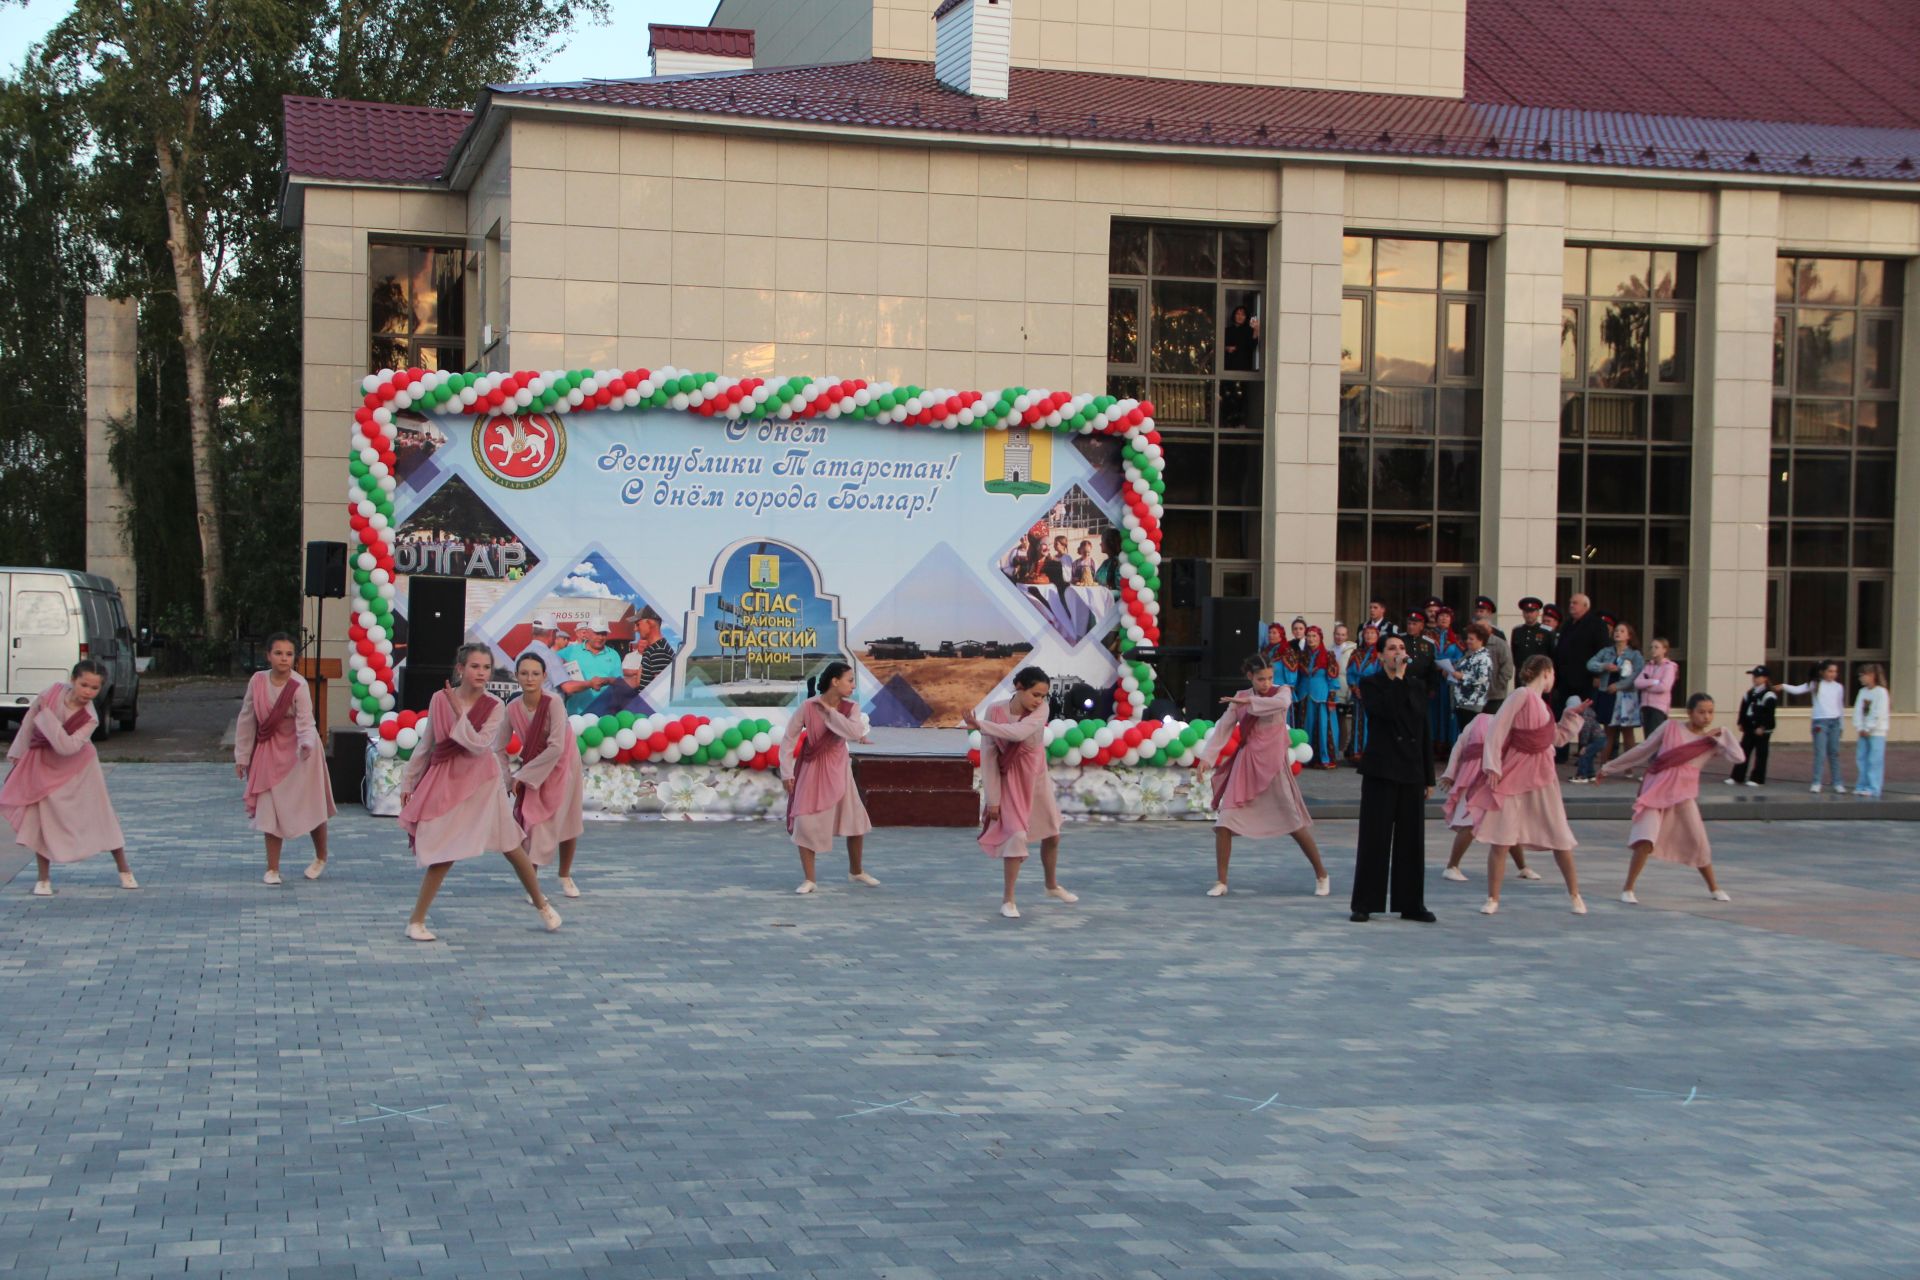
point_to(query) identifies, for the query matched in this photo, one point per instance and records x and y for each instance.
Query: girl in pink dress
(276, 749)
(1254, 794)
(822, 799)
(549, 785)
(1666, 815)
(1016, 795)
(1516, 804)
(55, 799)
(1460, 778)
(453, 797)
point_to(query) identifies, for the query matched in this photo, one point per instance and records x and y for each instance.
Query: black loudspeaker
(326, 570)
(1203, 696)
(1187, 582)
(1230, 630)
(436, 625)
(347, 764)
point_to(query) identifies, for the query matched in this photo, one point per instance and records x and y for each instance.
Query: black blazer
(1399, 739)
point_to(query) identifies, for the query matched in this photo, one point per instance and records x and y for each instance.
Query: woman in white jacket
(1870, 717)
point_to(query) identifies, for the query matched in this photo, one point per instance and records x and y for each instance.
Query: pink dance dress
(288, 793)
(552, 781)
(455, 782)
(1666, 813)
(1463, 772)
(1524, 810)
(55, 799)
(1013, 775)
(825, 802)
(1254, 794)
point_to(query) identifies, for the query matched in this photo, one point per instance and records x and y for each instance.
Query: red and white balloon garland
(370, 505)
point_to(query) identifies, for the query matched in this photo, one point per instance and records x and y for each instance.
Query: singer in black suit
(1396, 777)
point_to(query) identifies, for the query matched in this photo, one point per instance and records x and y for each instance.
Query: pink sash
(454, 774)
(1467, 765)
(1264, 742)
(274, 749)
(39, 770)
(1021, 766)
(533, 805)
(819, 772)
(1526, 760)
(1666, 783)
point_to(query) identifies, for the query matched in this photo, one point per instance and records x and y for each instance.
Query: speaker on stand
(1229, 630)
(436, 624)
(326, 579)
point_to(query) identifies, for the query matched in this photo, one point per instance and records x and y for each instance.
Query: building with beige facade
(1431, 296)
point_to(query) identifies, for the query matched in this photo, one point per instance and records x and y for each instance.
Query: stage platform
(914, 743)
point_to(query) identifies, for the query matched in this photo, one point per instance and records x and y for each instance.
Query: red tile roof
(1838, 62)
(1170, 114)
(369, 141)
(720, 42)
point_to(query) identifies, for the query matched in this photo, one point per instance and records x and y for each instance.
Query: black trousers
(1754, 767)
(1393, 848)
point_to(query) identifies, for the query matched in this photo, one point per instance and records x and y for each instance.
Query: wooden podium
(316, 674)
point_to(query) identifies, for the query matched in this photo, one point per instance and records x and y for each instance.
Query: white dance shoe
(806, 886)
(861, 877)
(43, 888)
(1454, 873)
(272, 877)
(1527, 873)
(1630, 898)
(568, 887)
(1218, 891)
(1322, 886)
(1492, 905)
(549, 917)
(1058, 892)
(316, 868)
(420, 933)
(1721, 895)
(127, 881)
(1579, 905)
(1010, 911)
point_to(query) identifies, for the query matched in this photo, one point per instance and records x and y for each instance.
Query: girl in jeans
(1829, 704)
(1654, 684)
(1870, 716)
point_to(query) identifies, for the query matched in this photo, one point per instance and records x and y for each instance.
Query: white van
(52, 618)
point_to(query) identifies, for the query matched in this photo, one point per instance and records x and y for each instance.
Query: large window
(1410, 421)
(1626, 434)
(417, 312)
(1185, 329)
(1836, 383)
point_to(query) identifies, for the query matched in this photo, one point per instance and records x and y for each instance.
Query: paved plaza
(703, 1075)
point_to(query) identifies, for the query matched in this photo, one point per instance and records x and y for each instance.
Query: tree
(48, 269)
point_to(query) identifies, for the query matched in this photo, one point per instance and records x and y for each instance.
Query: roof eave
(293, 190)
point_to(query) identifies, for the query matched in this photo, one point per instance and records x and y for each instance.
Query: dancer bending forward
(56, 797)
(1461, 776)
(1516, 804)
(1016, 795)
(1666, 815)
(453, 798)
(1254, 793)
(549, 785)
(822, 800)
(276, 748)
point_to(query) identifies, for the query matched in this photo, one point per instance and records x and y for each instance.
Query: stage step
(917, 791)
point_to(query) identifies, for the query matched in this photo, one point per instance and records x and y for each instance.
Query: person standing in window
(1870, 719)
(1654, 684)
(1239, 342)
(1616, 668)
(1829, 704)
(1756, 730)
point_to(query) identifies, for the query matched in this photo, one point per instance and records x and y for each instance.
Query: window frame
(414, 343)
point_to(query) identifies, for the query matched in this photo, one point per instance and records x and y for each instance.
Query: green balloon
(699, 756)
(1059, 747)
(591, 736)
(1072, 738)
(363, 575)
(370, 704)
(609, 726)
(730, 739)
(1299, 736)
(627, 719)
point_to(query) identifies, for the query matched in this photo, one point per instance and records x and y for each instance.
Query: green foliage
(115, 83)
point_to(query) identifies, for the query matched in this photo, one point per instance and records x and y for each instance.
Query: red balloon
(973, 757)
(1296, 768)
(689, 723)
(659, 741)
(513, 745)
(673, 732)
(389, 729)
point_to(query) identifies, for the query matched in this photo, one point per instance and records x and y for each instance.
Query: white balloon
(625, 739)
(762, 742)
(704, 734)
(387, 750)
(609, 749)
(407, 739)
(731, 759)
(378, 688)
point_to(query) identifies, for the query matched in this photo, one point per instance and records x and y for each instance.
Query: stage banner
(664, 561)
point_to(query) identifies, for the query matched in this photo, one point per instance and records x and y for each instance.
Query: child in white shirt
(1829, 705)
(1871, 713)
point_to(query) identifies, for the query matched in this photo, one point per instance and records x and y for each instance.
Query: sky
(617, 50)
